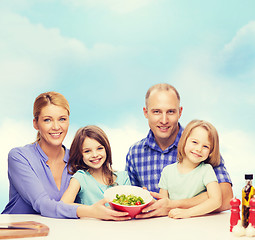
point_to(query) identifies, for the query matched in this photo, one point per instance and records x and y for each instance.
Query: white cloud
(120, 7)
(195, 74)
(22, 71)
(199, 88)
(103, 52)
(246, 35)
(24, 53)
(213, 82)
(120, 140)
(34, 56)
(237, 148)
(238, 56)
(31, 51)
(13, 133)
(14, 4)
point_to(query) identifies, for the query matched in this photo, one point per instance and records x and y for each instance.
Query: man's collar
(151, 142)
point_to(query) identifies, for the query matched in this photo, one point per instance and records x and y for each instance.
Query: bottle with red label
(247, 193)
(235, 212)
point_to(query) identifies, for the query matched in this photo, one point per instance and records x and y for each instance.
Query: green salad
(129, 200)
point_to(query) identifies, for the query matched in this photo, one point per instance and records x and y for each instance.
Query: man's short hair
(161, 87)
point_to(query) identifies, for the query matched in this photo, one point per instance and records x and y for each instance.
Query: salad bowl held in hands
(129, 199)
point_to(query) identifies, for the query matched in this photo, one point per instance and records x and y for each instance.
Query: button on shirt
(146, 160)
(32, 187)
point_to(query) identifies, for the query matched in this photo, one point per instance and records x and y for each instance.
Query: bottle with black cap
(247, 193)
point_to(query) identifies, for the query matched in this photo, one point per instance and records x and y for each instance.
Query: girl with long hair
(90, 163)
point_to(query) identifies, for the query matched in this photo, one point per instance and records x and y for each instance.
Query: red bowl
(110, 194)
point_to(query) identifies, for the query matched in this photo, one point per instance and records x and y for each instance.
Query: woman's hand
(100, 211)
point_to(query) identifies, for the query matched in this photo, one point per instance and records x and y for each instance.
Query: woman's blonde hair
(45, 99)
(76, 162)
(214, 155)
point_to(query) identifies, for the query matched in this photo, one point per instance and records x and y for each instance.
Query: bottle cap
(248, 176)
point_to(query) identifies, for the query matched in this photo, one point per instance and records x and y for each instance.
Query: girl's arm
(71, 192)
(163, 193)
(213, 202)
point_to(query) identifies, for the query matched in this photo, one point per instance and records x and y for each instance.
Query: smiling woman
(38, 172)
(51, 110)
(52, 126)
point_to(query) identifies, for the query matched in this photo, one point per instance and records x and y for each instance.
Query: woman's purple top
(32, 187)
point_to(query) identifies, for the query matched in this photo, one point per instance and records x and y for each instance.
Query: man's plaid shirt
(145, 162)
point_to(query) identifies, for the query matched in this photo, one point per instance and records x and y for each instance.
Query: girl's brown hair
(76, 162)
(214, 155)
(45, 99)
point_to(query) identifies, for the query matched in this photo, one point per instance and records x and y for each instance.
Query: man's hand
(157, 208)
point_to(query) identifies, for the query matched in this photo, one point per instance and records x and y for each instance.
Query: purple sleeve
(28, 185)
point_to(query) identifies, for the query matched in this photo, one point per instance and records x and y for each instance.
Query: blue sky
(103, 55)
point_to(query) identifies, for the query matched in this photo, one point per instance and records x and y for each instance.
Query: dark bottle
(247, 193)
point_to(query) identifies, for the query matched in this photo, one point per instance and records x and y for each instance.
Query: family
(181, 167)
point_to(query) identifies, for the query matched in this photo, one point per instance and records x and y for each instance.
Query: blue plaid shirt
(146, 160)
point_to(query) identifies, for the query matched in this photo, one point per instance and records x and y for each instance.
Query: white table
(213, 226)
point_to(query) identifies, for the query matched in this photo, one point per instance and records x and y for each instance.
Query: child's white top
(188, 185)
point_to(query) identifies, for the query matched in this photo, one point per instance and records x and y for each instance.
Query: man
(147, 158)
